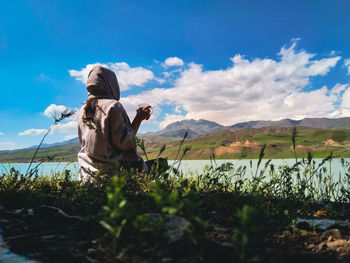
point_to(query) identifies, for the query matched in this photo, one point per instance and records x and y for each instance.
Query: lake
(186, 166)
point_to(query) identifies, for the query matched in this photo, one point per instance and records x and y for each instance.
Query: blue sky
(225, 61)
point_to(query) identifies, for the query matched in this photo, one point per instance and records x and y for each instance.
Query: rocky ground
(48, 234)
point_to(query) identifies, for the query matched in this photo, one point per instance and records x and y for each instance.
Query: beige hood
(102, 83)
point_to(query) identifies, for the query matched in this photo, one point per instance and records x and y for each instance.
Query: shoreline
(217, 159)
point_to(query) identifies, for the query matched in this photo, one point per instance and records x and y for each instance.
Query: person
(106, 135)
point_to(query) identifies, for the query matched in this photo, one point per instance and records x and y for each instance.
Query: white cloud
(155, 112)
(126, 75)
(55, 110)
(338, 89)
(258, 89)
(1, 133)
(70, 127)
(177, 109)
(170, 118)
(173, 61)
(8, 145)
(33, 132)
(69, 137)
(82, 75)
(346, 99)
(347, 64)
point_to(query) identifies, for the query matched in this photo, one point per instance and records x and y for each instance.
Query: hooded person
(106, 136)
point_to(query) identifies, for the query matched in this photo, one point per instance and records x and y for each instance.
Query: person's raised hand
(143, 113)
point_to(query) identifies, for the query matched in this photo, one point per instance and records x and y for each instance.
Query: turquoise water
(186, 166)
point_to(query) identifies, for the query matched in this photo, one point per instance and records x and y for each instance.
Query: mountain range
(201, 127)
(67, 150)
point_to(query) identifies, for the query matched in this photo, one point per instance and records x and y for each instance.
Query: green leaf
(107, 226)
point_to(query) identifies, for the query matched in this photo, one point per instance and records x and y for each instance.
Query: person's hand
(143, 113)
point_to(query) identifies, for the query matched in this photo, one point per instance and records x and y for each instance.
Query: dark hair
(90, 110)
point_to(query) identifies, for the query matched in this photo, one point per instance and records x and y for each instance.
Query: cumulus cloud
(54, 109)
(126, 75)
(257, 89)
(346, 99)
(70, 127)
(173, 61)
(33, 132)
(8, 145)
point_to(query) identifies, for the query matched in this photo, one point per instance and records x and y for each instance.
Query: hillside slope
(247, 143)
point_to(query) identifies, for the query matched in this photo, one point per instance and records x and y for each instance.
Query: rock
(343, 224)
(175, 226)
(321, 224)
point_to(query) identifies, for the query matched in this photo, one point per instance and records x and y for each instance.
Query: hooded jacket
(110, 140)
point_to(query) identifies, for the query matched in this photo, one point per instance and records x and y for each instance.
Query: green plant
(117, 214)
(249, 233)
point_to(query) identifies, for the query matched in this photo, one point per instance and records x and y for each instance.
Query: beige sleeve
(122, 133)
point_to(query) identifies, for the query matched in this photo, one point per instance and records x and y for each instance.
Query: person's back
(106, 136)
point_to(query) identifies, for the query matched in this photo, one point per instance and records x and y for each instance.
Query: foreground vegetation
(218, 215)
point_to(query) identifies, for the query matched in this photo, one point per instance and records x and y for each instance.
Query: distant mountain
(211, 135)
(194, 128)
(61, 151)
(48, 145)
(318, 123)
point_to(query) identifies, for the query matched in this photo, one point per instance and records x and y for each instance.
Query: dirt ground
(48, 234)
